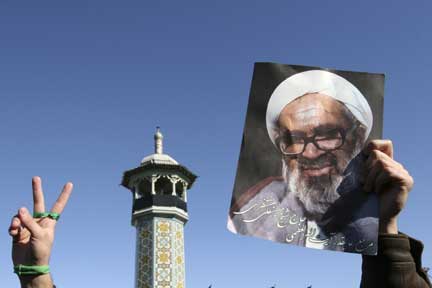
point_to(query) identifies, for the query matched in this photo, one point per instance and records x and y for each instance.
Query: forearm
(39, 281)
(395, 265)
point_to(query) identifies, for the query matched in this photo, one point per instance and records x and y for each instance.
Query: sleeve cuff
(394, 248)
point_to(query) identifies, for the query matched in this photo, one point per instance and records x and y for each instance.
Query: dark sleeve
(398, 264)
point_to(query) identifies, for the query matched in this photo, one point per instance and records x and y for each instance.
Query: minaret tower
(159, 212)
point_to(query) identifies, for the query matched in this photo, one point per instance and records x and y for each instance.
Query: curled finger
(28, 222)
(15, 226)
(385, 146)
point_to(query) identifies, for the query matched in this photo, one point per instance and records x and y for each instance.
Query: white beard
(316, 197)
(316, 200)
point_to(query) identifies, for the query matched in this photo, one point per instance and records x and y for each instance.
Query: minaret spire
(158, 137)
(159, 189)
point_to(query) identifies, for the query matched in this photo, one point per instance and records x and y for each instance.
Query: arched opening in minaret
(179, 189)
(163, 186)
(144, 188)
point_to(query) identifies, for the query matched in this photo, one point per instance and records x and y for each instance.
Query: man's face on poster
(317, 140)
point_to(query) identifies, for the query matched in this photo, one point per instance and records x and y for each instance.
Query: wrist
(388, 227)
(36, 281)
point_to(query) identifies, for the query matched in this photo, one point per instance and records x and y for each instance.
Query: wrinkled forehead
(313, 109)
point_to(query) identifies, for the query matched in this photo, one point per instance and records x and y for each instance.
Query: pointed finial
(158, 137)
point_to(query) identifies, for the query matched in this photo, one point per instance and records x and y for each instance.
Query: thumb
(28, 222)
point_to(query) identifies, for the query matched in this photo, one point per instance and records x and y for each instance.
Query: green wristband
(52, 215)
(31, 270)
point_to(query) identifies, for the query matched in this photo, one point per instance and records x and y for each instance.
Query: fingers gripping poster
(301, 168)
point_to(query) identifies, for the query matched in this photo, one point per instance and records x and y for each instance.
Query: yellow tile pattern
(163, 254)
(160, 258)
(144, 261)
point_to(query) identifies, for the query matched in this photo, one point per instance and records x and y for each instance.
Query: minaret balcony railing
(159, 200)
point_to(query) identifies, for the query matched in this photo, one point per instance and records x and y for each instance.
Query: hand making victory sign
(33, 237)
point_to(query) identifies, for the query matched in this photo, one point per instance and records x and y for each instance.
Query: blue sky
(83, 84)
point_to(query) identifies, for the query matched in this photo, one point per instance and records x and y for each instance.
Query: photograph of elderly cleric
(300, 180)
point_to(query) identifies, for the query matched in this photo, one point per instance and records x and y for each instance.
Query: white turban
(317, 81)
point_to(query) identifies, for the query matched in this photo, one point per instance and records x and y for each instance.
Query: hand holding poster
(300, 172)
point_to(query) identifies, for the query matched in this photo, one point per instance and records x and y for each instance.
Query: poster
(299, 174)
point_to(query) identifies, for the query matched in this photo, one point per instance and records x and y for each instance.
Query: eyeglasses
(329, 140)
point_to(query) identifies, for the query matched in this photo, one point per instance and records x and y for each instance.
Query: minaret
(159, 212)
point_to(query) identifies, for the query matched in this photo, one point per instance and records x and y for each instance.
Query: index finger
(38, 197)
(62, 199)
(385, 146)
